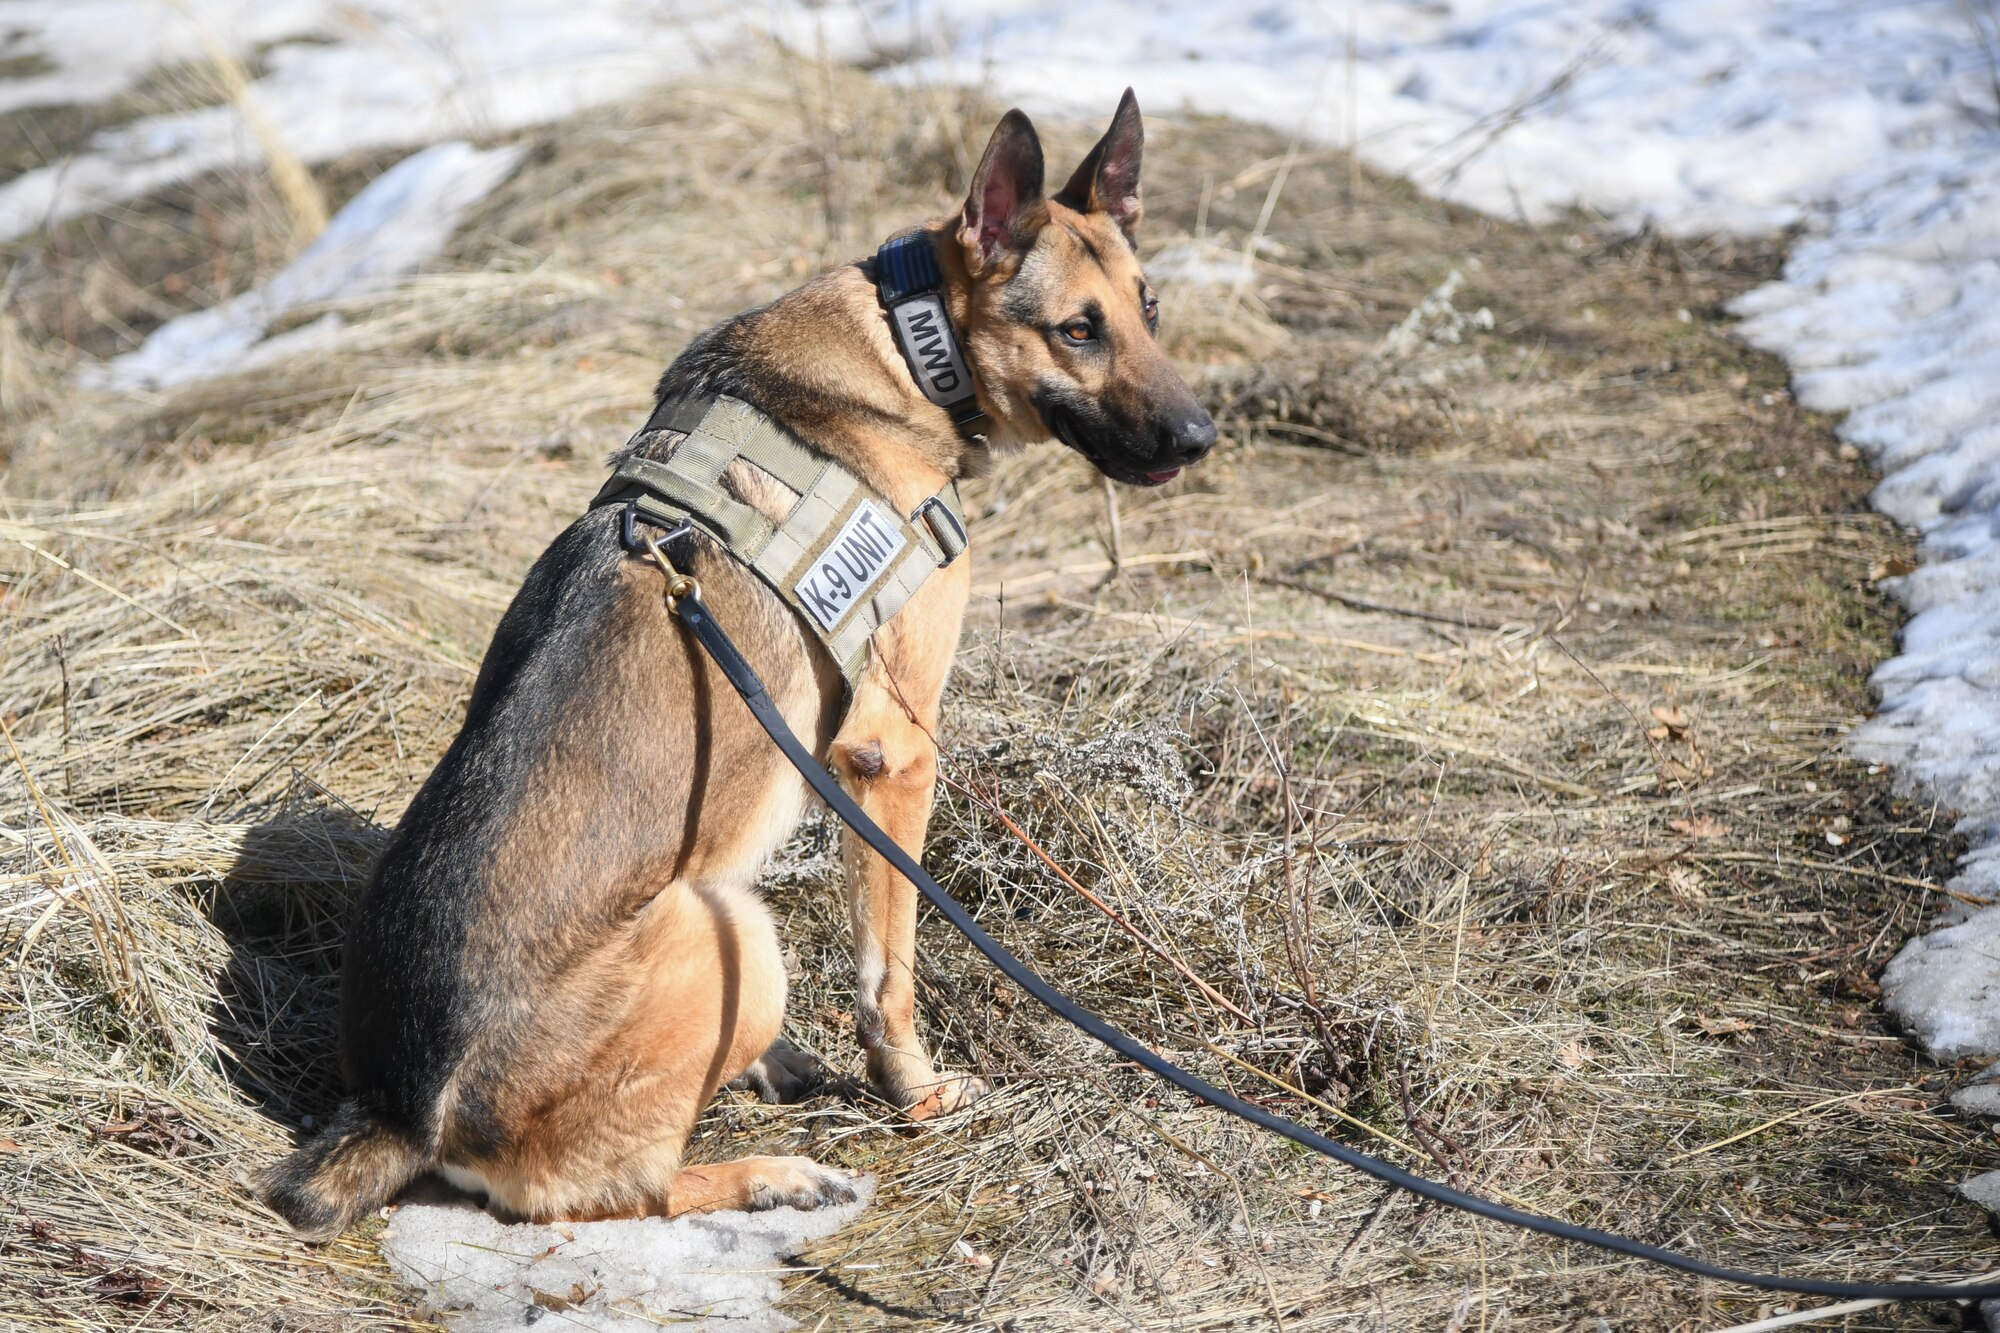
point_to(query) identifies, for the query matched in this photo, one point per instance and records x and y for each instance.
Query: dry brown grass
(1478, 917)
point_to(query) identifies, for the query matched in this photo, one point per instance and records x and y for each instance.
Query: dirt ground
(1469, 723)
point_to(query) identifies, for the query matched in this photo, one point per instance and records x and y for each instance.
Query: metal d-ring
(679, 585)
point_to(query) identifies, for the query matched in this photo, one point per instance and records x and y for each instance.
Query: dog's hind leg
(705, 994)
(886, 758)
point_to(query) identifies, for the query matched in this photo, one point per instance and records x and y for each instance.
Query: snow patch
(1699, 115)
(1946, 987)
(358, 74)
(1978, 1099)
(1983, 1190)
(93, 50)
(704, 1271)
(1893, 315)
(400, 220)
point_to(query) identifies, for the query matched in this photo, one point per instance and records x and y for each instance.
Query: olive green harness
(843, 555)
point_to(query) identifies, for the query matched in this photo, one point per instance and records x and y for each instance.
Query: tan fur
(1079, 258)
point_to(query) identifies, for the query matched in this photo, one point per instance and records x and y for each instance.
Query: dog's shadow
(283, 907)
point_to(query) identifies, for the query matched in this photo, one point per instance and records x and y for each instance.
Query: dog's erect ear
(1007, 184)
(1108, 179)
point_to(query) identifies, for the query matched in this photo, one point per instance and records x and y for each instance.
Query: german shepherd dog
(560, 956)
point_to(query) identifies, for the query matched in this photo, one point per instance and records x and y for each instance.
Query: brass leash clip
(679, 585)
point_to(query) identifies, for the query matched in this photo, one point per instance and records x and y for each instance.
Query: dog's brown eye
(1152, 311)
(1078, 331)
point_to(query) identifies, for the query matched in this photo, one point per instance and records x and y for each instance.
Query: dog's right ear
(1005, 189)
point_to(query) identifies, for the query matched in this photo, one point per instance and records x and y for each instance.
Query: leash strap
(695, 615)
(911, 285)
(843, 556)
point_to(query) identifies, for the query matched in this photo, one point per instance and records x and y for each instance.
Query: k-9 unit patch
(832, 582)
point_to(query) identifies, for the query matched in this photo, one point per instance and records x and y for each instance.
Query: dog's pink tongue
(1161, 478)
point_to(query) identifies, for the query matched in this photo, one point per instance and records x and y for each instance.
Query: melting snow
(402, 218)
(353, 74)
(1738, 115)
(93, 50)
(707, 1271)
(1894, 317)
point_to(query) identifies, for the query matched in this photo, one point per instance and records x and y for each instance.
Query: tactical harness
(835, 518)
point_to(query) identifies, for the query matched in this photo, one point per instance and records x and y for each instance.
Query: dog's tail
(354, 1166)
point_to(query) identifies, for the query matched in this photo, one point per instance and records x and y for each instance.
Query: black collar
(911, 286)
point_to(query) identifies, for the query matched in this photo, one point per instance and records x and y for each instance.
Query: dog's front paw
(922, 1092)
(781, 1075)
(947, 1093)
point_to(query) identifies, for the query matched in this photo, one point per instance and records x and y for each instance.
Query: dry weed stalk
(294, 181)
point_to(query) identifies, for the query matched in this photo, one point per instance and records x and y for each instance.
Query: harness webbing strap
(842, 555)
(694, 613)
(672, 494)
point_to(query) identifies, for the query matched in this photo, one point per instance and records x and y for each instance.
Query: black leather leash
(684, 598)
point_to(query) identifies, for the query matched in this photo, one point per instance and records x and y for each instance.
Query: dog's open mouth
(1067, 428)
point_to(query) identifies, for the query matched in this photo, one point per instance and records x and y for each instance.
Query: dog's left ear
(1108, 179)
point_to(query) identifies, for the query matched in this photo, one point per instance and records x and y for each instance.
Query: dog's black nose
(1186, 438)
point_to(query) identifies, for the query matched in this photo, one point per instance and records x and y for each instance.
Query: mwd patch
(933, 353)
(911, 285)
